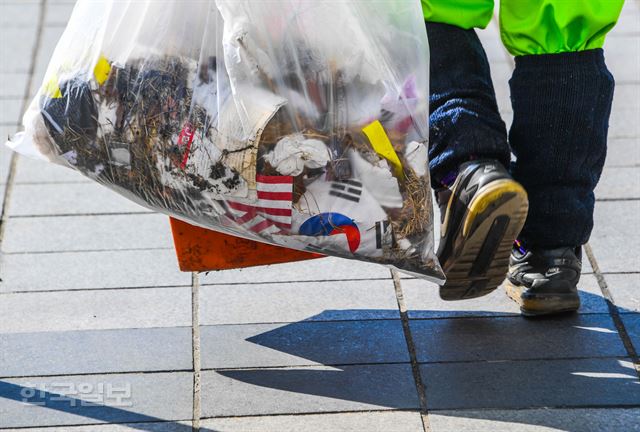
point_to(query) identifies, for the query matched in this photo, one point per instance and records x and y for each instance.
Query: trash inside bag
(297, 123)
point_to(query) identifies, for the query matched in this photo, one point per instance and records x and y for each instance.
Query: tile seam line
(66, 215)
(196, 353)
(188, 370)
(205, 285)
(284, 323)
(112, 329)
(85, 289)
(80, 425)
(107, 373)
(305, 366)
(629, 406)
(618, 199)
(407, 362)
(55, 252)
(411, 349)
(556, 407)
(613, 310)
(413, 410)
(160, 421)
(4, 215)
(247, 324)
(420, 363)
(312, 413)
(410, 410)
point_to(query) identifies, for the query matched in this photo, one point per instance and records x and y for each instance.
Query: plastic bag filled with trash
(300, 123)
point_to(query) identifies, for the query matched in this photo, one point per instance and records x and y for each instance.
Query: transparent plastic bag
(300, 123)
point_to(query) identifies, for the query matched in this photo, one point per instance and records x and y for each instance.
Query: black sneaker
(544, 282)
(482, 215)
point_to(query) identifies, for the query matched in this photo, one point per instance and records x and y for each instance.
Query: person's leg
(482, 208)
(464, 122)
(561, 93)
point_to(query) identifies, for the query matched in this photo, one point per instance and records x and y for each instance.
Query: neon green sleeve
(534, 26)
(466, 14)
(555, 26)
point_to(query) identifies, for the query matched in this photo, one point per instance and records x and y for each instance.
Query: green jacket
(534, 26)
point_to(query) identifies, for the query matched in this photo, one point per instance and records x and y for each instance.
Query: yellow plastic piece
(52, 89)
(382, 145)
(102, 69)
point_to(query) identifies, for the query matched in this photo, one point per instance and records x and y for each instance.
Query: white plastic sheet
(301, 123)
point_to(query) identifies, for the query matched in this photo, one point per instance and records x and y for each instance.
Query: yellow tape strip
(102, 69)
(51, 89)
(382, 145)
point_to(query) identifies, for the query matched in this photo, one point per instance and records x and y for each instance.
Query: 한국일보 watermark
(77, 394)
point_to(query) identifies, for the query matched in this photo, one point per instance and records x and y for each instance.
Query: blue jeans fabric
(561, 106)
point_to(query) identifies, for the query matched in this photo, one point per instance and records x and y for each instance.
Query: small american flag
(272, 212)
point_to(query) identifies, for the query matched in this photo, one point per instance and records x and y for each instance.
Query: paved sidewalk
(92, 306)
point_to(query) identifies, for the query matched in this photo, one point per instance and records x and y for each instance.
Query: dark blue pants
(561, 106)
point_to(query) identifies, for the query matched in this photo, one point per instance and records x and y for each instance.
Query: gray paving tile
(91, 270)
(392, 421)
(58, 14)
(12, 85)
(49, 41)
(127, 398)
(623, 152)
(514, 338)
(619, 183)
(622, 55)
(16, 48)
(500, 74)
(507, 117)
(586, 264)
(65, 199)
(632, 324)
(490, 39)
(5, 132)
(626, 96)
(98, 351)
(531, 384)
(95, 310)
(177, 426)
(10, 111)
(307, 390)
(625, 289)
(84, 233)
(302, 344)
(537, 420)
(19, 14)
(615, 229)
(423, 301)
(321, 269)
(624, 124)
(5, 162)
(37, 171)
(310, 301)
(628, 22)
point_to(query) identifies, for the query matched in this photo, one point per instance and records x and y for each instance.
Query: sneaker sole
(541, 304)
(480, 259)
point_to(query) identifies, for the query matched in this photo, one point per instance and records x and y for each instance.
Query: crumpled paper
(295, 152)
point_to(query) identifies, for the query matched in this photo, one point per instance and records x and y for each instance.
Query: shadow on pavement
(608, 381)
(360, 383)
(96, 412)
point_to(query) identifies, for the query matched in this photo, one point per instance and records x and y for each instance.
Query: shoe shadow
(471, 367)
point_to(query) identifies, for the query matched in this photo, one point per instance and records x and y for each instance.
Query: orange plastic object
(200, 249)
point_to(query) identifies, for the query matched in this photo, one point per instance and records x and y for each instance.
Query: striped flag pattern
(272, 212)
